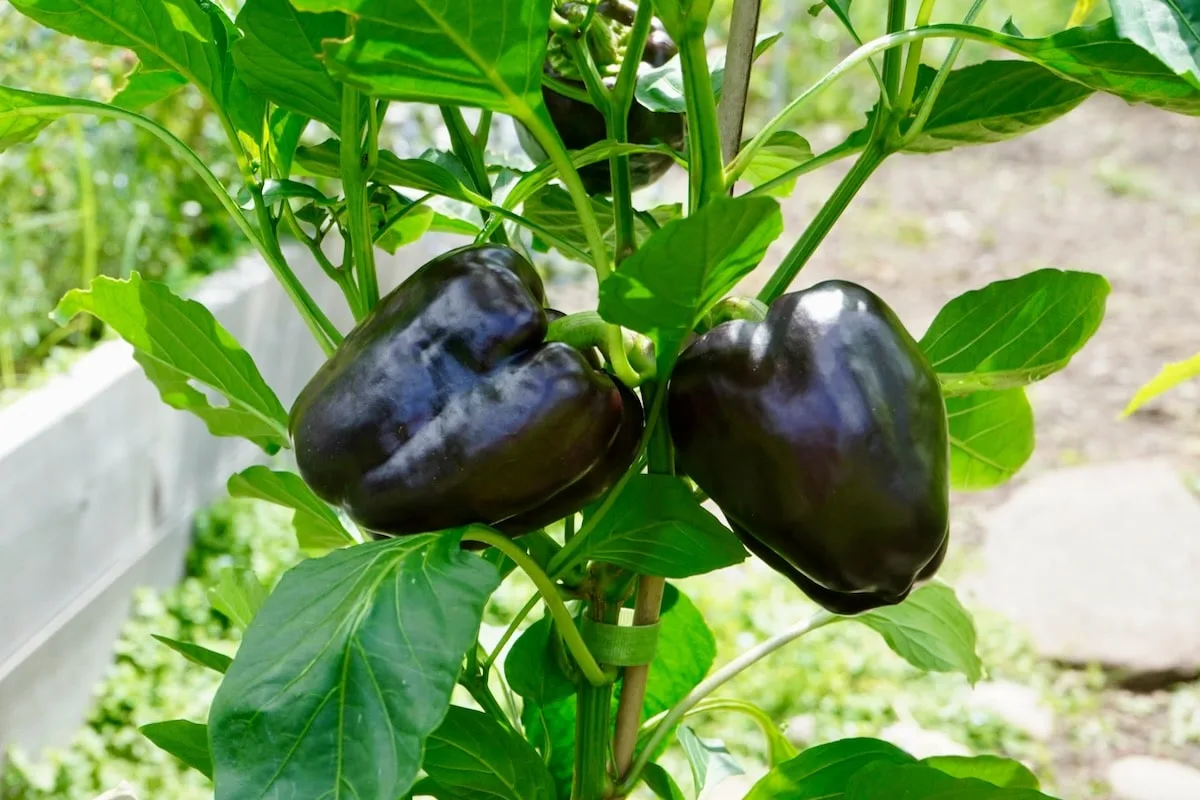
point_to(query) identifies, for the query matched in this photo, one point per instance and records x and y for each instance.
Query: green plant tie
(620, 645)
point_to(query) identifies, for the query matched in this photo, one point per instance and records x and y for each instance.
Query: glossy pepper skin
(445, 406)
(822, 435)
(581, 124)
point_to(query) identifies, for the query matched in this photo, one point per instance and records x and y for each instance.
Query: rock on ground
(1017, 705)
(1145, 778)
(1098, 564)
(921, 742)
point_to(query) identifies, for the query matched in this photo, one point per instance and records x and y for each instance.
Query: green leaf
(318, 527)
(23, 115)
(278, 57)
(661, 88)
(1098, 57)
(535, 665)
(991, 437)
(285, 129)
(992, 102)
(179, 343)
(197, 654)
(686, 650)
(355, 653)
(822, 772)
(471, 756)
(930, 630)
(183, 36)
(398, 221)
(1171, 376)
(710, 759)
(659, 781)
(238, 594)
(884, 781)
(657, 527)
(783, 151)
(552, 210)
(1014, 332)
(276, 191)
(681, 271)
(144, 88)
(1003, 772)
(187, 741)
(1170, 29)
(485, 53)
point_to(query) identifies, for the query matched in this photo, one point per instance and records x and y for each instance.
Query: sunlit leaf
(991, 437)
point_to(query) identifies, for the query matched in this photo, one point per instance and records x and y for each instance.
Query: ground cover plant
(464, 429)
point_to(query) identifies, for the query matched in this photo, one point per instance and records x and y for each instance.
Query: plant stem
(549, 592)
(912, 62)
(617, 116)
(327, 335)
(819, 228)
(816, 162)
(646, 611)
(592, 712)
(510, 632)
(353, 160)
(89, 243)
(939, 80)
(338, 276)
(466, 147)
(893, 58)
(761, 718)
(585, 329)
(739, 55)
(706, 171)
(714, 682)
(483, 130)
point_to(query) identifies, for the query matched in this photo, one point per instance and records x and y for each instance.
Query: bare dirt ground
(1111, 189)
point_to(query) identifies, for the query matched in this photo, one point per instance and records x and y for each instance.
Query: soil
(1110, 188)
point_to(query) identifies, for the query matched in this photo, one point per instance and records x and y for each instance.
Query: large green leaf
(1171, 376)
(995, 770)
(184, 739)
(179, 342)
(994, 101)
(318, 527)
(470, 756)
(238, 594)
(991, 437)
(346, 669)
(485, 53)
(686, 650)
(535, 666)
(1098, 57)
(1014, 332)
(657, 527)
(930, 630)
(189, 38)
(891, 781)
(278, 57)
(687, 266)
(822, 772)
(1170, 29)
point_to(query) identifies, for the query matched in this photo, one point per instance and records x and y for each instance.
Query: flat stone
(1019, 706)
(1098, 565)
(922, 743)
(1146, 778)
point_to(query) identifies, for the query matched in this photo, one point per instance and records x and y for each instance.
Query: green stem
(939, 81)
(353, 162)
(893, 58)
(816, 162)
(592, 712)
(466, 147)
(713, 682)
(482, 695)
(912, 63)
(706, 171)
(483, 130)
(620, 102)
(510, 632)
(549, 592)
(340, 277)
(586, 329)
(761, 718)
(819, 228)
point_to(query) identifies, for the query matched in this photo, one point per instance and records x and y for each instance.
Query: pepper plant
(464, 429)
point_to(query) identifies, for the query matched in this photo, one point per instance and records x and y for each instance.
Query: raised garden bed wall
(100, 480)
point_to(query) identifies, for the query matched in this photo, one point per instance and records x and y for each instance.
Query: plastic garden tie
(620, 645)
